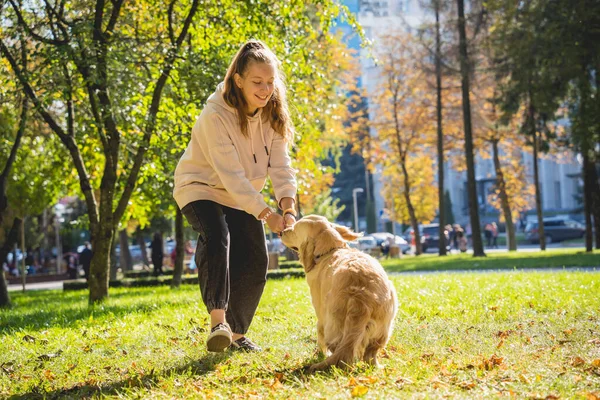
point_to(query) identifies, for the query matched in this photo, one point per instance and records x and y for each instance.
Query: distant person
(461, 239)
(157, 253)
(72, 267)
(487, 232)
(85, 259)
(494, 235)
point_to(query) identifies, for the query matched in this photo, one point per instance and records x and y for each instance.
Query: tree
(512, 194)
(533, 71)
(84, 49)
(465, 70)
(402, 107)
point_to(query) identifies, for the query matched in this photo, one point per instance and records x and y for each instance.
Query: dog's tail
(355, 333)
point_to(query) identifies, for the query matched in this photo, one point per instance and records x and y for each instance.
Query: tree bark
(11, 239)
(536, 180)
(587, 198)
(595, 188)
(139, 238)
(179, 249)
(440, 135)
(466, 102)
(501, 184)
(411, 211)
(125, 258)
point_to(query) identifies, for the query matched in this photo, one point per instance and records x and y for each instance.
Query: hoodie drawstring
(262, 137)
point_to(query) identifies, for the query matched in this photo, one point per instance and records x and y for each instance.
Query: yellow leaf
(596, 362)
(359, 390)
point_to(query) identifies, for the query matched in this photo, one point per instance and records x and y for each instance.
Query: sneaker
(244, 344)
(219, 338)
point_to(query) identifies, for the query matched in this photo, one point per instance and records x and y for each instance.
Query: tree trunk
(595, 189)
(501, 184)
(140, 241)
(125, 259)
(113, 264)
(411, 211)
(440, 134)
(102, 240)
(536, 182)
(466, 102)
(179, 249)
(587, 198)
(11, 238)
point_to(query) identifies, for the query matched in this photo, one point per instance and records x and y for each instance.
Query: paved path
(37, 286)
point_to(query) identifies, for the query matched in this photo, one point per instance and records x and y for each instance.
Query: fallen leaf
(577, 361)
(49, 375)
(500, 344)
(592, 396)
(46, 357)
(569, 332)
(524, 379)
(29, 338)
(596, 362)
(359, 391)
(352, 382)
(467, 385)
(369, 379)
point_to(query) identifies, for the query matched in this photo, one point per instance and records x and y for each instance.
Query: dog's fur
(354, 300)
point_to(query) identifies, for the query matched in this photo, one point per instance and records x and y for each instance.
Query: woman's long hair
(276, 109)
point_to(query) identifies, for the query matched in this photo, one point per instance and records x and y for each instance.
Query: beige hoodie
(222, 165)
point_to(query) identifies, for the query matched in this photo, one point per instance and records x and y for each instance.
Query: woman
(241, 136)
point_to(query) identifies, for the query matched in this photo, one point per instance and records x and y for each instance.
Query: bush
(81, 284)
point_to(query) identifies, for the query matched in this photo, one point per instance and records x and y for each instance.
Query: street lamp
(59, 210)
(354, 191)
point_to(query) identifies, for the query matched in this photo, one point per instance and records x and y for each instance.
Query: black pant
(232, 260)
(157, 261)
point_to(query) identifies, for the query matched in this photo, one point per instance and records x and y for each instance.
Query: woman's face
(257, 84)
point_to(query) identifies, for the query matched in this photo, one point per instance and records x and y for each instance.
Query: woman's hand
(275, 223)
(289, 220)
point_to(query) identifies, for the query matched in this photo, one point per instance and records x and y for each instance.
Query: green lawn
(465, 335)
(552, 258)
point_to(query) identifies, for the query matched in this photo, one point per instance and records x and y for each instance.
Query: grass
(552, 258)
(465, 335)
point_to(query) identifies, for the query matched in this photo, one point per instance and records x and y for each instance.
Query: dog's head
(314, 236)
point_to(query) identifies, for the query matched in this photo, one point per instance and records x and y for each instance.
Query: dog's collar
(317, 258)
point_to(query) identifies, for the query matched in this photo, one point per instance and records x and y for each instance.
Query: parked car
(368, 244)
(429, 236)
(383, 238)
(556, 229)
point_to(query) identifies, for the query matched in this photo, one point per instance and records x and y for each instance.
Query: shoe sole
(218, 343)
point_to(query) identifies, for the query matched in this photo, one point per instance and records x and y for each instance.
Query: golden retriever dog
(354, 300)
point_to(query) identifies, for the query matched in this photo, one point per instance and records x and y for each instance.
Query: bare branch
(67, 140)
(151, 119)
(113, 17)
(170, 20)
(34, 35)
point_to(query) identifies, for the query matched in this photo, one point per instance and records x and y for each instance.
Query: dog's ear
(307, 255)
(328, 239)
(346, 233)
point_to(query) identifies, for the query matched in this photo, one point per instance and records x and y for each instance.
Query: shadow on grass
(44, 311)
(199, 367)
